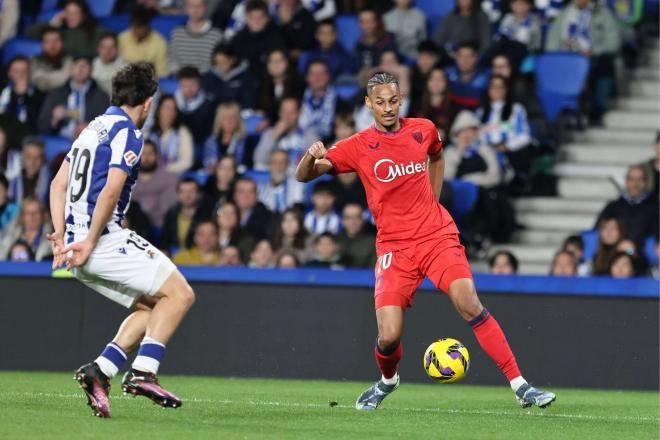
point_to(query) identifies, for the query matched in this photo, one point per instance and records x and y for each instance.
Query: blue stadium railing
(513, 284)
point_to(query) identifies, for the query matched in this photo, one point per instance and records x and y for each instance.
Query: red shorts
(399, 273)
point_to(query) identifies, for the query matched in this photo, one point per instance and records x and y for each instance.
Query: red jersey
(392, 168)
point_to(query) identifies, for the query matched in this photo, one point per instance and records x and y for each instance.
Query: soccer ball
(446, 360)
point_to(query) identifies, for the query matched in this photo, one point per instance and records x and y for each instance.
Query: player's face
(384, 102)
(635, 182)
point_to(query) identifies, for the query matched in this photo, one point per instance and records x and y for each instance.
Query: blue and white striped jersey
(110, 140)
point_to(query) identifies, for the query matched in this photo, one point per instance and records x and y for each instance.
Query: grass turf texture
(49, 405)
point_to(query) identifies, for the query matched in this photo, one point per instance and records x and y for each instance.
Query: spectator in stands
(518, 87)
(546, 9)
(610, 232)
(564, 264)
(374, 40)
(319, 101)
(141, 43)
(357, 242)
(347, 186)
(262, 255)
(325, 252)
(280, 81)
(328, 49)
(286, 260)
(408, 25)
(231, 257)
(297, 25)
(322, 218)
(504, 126)
(163, 7)
(228, 137)
(181, 219)
(291, 236)
(503, 263)
(282, 190)
(428, 57)
(466, 22)
(192, 44)
(630, 248)
(9, 14)
(259, 37)
(469, 159)
(137, 220)
(635, 208)
(229, 79)
(52, 68)
(220, 185)
(205, 251)
(230, 232)
(587, 27)
(254, 216)
(172, 137)
(72, 106)
(107, 62)
(20, 252)
(653, 169)
(8, 209)
(196, 108)
(622, 265)
(33, 179)
(20, 102)
(156, 186)
(575, 245)
(79, 28)
(286, 135)
(322, 9)
(522, 26)
(467, 82)
(434, 103)
(30, 226)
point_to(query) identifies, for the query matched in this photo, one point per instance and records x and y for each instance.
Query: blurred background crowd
(247, 85)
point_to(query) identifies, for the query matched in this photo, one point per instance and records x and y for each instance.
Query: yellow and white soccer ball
(446, 360)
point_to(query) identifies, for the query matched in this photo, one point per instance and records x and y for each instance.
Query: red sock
(389, 363)
(493, 342)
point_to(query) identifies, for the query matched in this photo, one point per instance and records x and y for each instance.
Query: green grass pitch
(49, 405)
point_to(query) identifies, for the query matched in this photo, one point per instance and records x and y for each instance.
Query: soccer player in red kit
(400, 163)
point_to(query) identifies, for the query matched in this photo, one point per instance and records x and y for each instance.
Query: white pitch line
(423, 410)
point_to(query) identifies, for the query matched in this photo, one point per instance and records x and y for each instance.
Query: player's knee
(388, 341)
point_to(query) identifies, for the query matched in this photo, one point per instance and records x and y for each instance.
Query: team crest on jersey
(130, 158)
(417, 135)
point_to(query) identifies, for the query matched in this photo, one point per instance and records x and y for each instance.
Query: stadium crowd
(248, 85)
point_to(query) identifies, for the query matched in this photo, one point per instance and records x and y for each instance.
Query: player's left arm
(58, 189)
(436, 169)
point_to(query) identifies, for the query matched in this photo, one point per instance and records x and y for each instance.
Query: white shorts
(125, 266)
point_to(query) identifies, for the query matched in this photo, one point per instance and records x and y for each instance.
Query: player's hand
(77, 254)
(317, 150)
(57, 242)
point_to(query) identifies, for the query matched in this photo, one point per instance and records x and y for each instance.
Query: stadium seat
(590, 239)
(19, 46)
(649, 251)
(47, 15)
(116, 23)
(55, 145)
(49, 5)
(303, 59)
(167, 85)
(560, 78)
(200, 176)
(348, 31)
(251, 121)
(165, 24)
(261, 177)
(101, 8)
(346, 92)
(434, 10)
(464, 197)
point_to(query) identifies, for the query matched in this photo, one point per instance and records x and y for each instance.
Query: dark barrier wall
(329, 333)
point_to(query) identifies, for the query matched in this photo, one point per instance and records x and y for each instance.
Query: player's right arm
(313, 164)
(58, 189)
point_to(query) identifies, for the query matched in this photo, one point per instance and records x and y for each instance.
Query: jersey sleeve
(341, 156)
(435, 144)
(126, 148)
